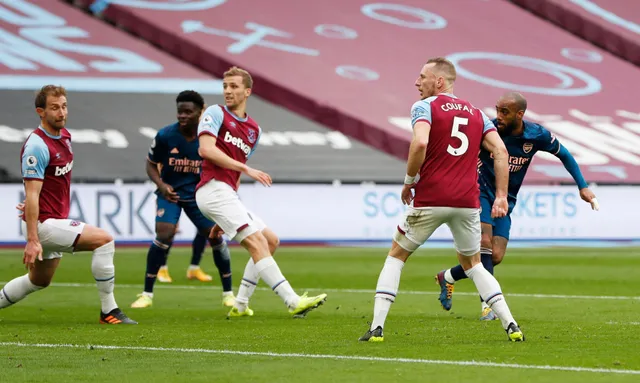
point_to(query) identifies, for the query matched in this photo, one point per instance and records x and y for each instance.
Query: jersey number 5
(455, 132)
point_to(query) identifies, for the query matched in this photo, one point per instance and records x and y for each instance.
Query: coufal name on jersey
(449, 106)
(60, 171)
(235, 141)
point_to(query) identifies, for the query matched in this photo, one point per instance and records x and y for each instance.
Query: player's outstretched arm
(494, 144)
(573, 168)
(33, 249)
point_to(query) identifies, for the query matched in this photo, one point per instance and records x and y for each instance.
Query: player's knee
(272, 240)
(274, 243)
(256, 242)
(165, 236)
(40, 281)
(485, 241)
(215, 241)
(497, 256)
(103, 238)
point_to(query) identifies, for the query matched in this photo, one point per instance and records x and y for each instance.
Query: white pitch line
(364, 291)
(329, 356)
(625, 323)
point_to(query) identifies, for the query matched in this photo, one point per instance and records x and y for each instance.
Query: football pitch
(579, 309)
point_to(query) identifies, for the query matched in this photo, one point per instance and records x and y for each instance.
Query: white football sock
(104, 273)
(448, 277)
(386, 290)
(16, 290)
(269, 271)
(490, 291)
(250, 280)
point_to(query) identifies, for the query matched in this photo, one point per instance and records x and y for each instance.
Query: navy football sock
(458, 273)
(197, 248)
(156, 256)
(222, 259)
(487, 261)
(166, 257)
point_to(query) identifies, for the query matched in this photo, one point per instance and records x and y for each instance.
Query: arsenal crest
(251, 135)
(527, 147)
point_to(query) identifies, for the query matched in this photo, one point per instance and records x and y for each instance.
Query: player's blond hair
(246, 77)
(46, 91)
(445, 67)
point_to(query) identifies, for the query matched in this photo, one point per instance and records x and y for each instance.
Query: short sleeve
(35, 158)
(256, 144)
(421, 111)
(489, 126)
(211, 121)
(158, 149)
(549, 142)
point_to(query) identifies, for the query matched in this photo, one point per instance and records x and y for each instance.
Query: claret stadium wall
(333, 100)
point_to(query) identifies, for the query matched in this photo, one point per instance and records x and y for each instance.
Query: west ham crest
(252, 136)
(527, 147)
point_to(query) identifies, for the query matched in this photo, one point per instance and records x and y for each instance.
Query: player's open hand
(259, 176)
(500, 207)
(168, 193)
(588, 196)
(407, 195)
(21, 208)
(32, 251)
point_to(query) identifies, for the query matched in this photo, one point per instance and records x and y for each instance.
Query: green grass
(560, 331)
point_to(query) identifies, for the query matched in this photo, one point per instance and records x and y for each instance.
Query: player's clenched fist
(500, 207)
(588, 196)
(259, 176)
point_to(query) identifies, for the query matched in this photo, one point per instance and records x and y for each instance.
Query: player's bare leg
(268, 270)
(499, 249)
(386, 290)
(491, 293)
(101, 243)
(447, 278)
(250, 278)
(38, 278)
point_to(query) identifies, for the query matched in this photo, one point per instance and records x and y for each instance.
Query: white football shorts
(419, 225)
(57, 236)
(221, 204)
